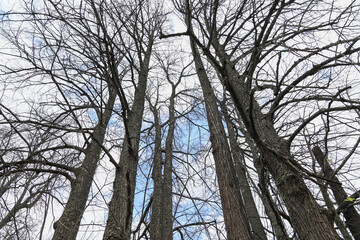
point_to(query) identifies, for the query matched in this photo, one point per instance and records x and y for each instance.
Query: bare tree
(161, 224)
(351, 215)
(236, 222)
(94, 118)
(83, 80)
(240, 42)
(142, 26)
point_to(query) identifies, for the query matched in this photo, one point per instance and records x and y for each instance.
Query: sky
(105, 174)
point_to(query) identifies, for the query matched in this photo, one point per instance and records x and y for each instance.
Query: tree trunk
(68, 224)
(161, 217)
(118, 226)
(270, 208)
(167, 181)
(333, 216)
(156, 213)
(236, 224)
(304, 211)
(351, 215)
(250, 206)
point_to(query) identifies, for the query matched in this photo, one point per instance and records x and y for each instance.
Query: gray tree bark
(236, 221)
(270, 208)
(250, 206)
(304, 212)
(351, 215)
(333, 216)
(118, 226)
(68, 224)
(161, 218)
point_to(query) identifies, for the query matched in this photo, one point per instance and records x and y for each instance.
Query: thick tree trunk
(236, 221)
(118, 226)
(351, 215)
(304, 211)
(68, 224)
(119, 220)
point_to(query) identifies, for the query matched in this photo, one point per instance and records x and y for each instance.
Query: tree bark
(250, 206)
(270, 207)
(236, 224)
(333, 216)
(351, 215)
(304, 212)
(167, 181)
(118, 226)
(161, 218)
(68, 224)
(156, 222)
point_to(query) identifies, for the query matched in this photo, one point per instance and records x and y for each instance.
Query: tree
(161, 223)
(237, 225)
(114, 126)
(144, 18)
(241, 45)
(80, 76)
(351, 215)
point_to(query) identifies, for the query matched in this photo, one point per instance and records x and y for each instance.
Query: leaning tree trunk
(304, 211)
(250, 206)
(333, 215)
(351, 215)
(118, 226)
(270, 207)
(68, 224)
(236, 221)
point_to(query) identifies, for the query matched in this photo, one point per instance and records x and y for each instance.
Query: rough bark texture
(118, 226)
(236, 222)
(167, 181)
(270, 208)
(161, 217)
(250, 206)
(333, 216)
(68, 224)
(156, 209)
(351, 215)
(304, 212)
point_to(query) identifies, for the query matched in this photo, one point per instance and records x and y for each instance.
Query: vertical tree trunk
(156, 221)
(118, 226)
(351, 215)
(167, 180)
(161, 217)
(236, 222)
(304, 212)
(68, 224)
